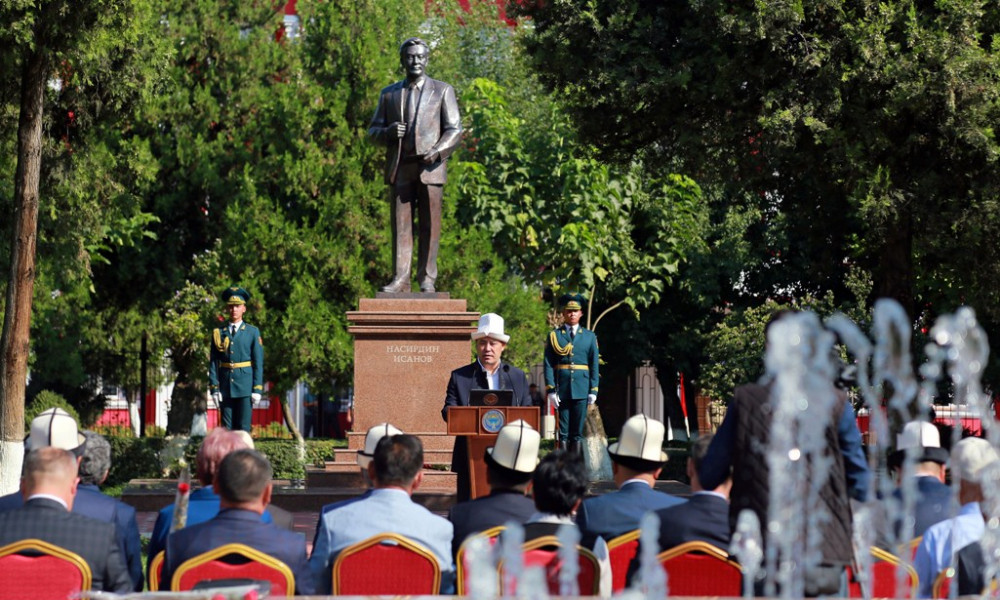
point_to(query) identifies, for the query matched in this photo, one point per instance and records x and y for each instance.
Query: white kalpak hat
(923, 435)
(640, 445)
(516, 448)
(57, 428)
(971, 457)
(491, 326)
(371, 440)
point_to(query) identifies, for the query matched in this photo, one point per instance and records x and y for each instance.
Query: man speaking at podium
(488, 372)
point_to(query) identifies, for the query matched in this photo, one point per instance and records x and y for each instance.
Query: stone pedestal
(405, 348)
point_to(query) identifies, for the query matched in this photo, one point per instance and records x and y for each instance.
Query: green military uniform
(572, 372)
(236, 366)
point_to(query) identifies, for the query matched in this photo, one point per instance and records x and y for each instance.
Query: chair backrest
(621, 551)
(461, 569)
(361, 568)
(700, 569)
(942, 584)
(544, 552)
(884, 577)
(234, 561)
(156, 570)
(25, 563)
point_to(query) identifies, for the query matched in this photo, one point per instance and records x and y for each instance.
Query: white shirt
(492, 379)
(49, 497)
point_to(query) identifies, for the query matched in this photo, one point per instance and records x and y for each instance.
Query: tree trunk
(15, 339)
(894, 274)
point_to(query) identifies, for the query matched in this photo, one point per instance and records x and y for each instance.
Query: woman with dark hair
(559, 485)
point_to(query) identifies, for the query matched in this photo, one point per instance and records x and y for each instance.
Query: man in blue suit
(637, 459)
(705, 516)
(932, 503)
(488, 372)
(571, 372)
(395, 470)
(236, 363)
(55, 427)
(244, 488)
(510, 463)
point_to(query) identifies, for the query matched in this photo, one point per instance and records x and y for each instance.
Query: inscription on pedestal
(412, 353)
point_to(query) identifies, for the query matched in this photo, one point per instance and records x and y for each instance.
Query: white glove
(216, 399)
(554, 399)
(255, 398)
(591, 398)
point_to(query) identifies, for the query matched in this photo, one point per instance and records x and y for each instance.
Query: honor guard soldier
(571, 371)
(236, 363)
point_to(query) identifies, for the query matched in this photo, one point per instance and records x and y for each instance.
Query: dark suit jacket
(234, 526)
(704, 517)
(611, 515)
(933, 504)
(93, 540)
(971, 564)
(463, 380)
(438, 126)
(499, 508)
(91, 502)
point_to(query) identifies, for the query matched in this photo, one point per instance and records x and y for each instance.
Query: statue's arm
(451, 124)
(378, 129)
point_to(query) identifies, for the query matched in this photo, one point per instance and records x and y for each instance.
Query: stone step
(337, 475)
(431, 457)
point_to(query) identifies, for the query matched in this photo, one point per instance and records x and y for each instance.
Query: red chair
(701, 569)
(156, 570)
(37, 570)
(461, 569)
(884, 578)
(621, 551)
(234, 561)
(942, 584)
(386, 565)
(544, 552)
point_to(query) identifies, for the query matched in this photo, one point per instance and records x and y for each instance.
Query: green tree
(65, 68)
(862, 132)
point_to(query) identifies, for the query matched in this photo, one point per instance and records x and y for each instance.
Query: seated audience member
(973, 460)
(705, 516)
(281, 517)
(933, 495)
(374, 434)
(636, 460)
(55, 427)
(509, 465)
(395, 470)
(243, 484)
(49, 485)
(558, 485)
(203, 502)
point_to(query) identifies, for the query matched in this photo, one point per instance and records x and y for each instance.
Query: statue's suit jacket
(611, 515)
(437, 126)
(95, 541)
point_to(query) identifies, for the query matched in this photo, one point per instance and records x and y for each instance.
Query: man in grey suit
(395, 470)
(49, 485)
(417, 120)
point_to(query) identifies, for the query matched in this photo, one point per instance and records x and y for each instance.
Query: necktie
(232, 330)
(412, 98)
(571, 332)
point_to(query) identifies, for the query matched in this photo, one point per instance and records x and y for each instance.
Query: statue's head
(413, 56)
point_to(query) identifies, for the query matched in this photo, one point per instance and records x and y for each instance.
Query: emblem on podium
(493, 421)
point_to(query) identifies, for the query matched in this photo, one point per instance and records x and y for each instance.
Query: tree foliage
(863, 132)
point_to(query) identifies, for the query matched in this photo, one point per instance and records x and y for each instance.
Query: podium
(480, 425)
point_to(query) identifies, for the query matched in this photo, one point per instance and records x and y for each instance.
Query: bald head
(51, 471)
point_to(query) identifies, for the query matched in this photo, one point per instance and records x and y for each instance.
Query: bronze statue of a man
(417, 119)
